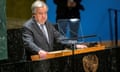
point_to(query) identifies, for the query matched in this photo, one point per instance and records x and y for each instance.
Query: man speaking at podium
(39, 34)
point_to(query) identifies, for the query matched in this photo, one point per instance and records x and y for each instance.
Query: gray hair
(36, 4)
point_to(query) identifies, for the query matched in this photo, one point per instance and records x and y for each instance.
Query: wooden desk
(61, 53)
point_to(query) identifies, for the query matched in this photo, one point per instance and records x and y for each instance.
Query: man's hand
(80, 46)
(42, 54)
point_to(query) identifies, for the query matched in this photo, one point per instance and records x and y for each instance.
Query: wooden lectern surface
(67, 52)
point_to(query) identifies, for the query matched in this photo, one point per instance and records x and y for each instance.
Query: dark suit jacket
(65, 12)
(34, 40)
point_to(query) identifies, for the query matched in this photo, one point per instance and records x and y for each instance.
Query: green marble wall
(3, 34)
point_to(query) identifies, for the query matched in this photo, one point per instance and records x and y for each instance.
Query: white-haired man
(35, 39)
(39, 34)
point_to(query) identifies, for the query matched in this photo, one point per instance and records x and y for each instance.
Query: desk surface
(67, 52)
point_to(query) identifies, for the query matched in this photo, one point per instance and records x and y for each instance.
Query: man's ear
(33, 15)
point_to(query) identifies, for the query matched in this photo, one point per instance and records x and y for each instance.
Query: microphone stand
(73, 47)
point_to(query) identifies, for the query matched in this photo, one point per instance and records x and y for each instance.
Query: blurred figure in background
(68, 16)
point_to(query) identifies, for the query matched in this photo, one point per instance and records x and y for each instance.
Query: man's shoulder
(28, 23)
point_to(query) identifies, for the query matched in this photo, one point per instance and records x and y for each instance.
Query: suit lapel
(48, 30)
(37, 28)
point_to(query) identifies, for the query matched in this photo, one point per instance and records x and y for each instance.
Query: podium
(60, 61)
(67, 52)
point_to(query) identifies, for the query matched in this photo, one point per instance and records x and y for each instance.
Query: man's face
(41, 14)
